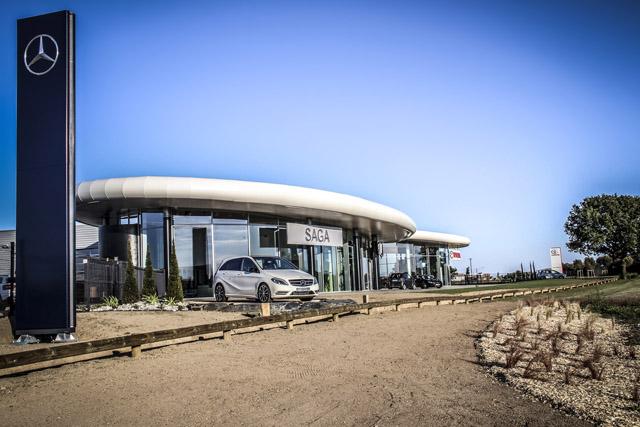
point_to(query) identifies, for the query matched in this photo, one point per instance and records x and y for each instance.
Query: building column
(375, 258)
(168, 241)
(357, 261)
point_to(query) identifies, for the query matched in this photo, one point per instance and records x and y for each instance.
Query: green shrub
(174, 290)
(148, 284)
(130, 290)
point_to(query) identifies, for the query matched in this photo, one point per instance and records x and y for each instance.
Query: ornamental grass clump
(546, 358)
(111, 301)
(513, 356)
(567, 375)
(520, 327)
(596, 372)
(496, 328)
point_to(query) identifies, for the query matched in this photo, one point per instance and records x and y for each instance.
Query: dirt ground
(106, 324)
(416, 366)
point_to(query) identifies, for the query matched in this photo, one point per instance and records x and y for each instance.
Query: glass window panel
(229, 241)
(191, 219)
(153, 238)
(264, 240)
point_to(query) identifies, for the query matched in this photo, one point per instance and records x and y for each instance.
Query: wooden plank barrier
(135, 342)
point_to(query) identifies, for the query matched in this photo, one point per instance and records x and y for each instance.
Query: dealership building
(346, 242)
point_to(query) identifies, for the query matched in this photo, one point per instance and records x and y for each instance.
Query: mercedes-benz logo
(40, 57)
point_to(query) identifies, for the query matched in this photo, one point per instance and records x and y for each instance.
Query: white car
(264, 278)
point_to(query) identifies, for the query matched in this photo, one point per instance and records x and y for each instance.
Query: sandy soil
(108, 324)
(416, 366)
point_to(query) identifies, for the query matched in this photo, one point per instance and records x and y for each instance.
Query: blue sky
(487, 119)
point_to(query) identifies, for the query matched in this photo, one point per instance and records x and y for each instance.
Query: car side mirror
(255, 270)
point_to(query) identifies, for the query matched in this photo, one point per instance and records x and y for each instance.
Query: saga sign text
(302, 234)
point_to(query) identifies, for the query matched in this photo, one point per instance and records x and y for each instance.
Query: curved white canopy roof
(96, 199)
(450, 240)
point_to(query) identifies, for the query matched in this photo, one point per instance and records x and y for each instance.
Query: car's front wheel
(219, 293)
(264, 293)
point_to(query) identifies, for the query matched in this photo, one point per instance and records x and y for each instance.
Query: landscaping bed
(567, 355)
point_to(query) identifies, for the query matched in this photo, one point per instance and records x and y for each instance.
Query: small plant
(513, 356)
(151, 299)
(567, 375)
(170, 301)
(546, 358)
(539, 328)
(635, 393)
(595, 371)
(581, 342)
(569, 318)
(528, 370)
(579, 311)
(548, 312)
(597, 354)
(495, 328)
(111, 301)
(555, 345)
(613, 323)
(520, 327)
(535, 344)
(587, 332)
(632, 352)
(616, 350)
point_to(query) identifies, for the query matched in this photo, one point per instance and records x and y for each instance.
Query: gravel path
(417, 366)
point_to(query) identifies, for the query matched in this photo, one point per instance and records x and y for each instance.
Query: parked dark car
(550, 274)
(427, 281)
(400, 281)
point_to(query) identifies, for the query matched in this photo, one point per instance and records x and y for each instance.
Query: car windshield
(274, 263)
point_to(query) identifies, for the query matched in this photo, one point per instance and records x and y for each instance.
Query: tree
(589, 264)
(453, 272)
(606, 225)
(148, 283)
(604, 262)
(174, 290)
(130, 291)
(577, 266)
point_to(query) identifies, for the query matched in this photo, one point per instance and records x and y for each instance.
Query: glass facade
(203, 240)
(415, 259)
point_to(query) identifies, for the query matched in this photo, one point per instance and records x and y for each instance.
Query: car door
(250, 277)
(231, 274)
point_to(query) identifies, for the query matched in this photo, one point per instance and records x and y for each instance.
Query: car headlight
(279, 281)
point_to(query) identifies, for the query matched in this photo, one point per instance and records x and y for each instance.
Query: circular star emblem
(41, 54)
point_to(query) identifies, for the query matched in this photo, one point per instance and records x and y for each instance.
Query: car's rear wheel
(219, 293)
(264, 293)
(438, 285)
